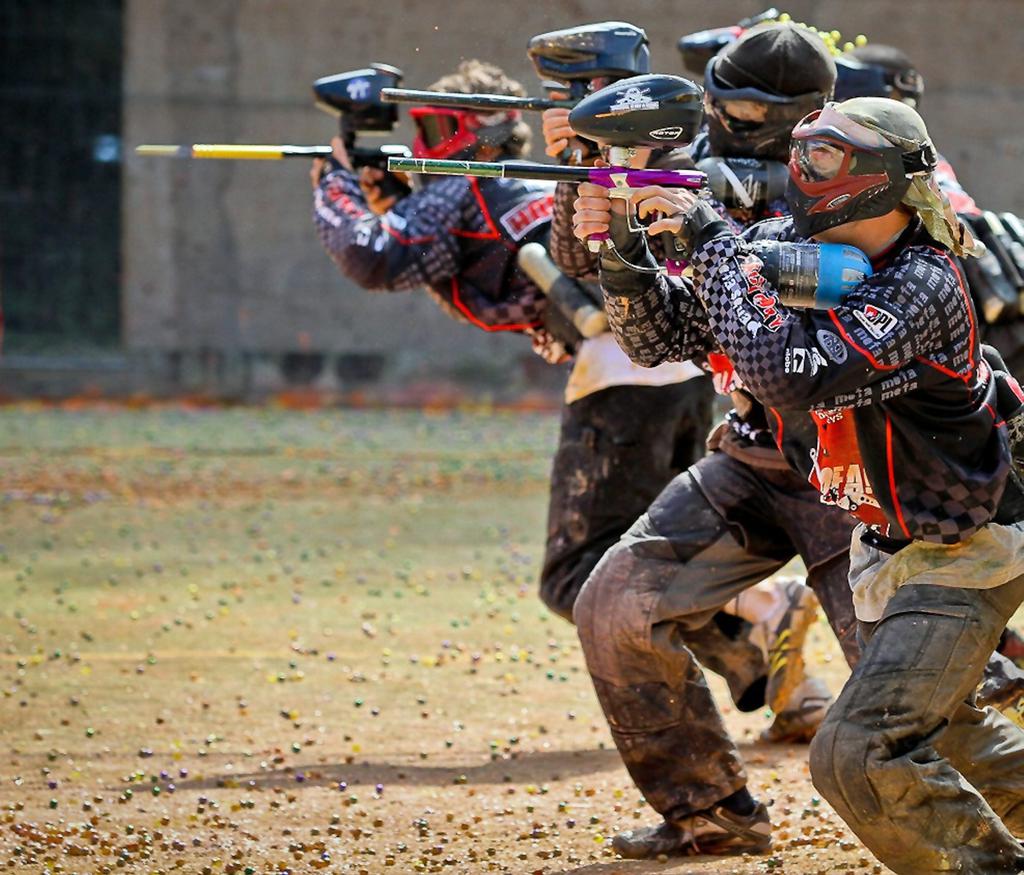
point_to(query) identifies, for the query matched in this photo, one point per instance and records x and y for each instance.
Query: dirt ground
(254, 641)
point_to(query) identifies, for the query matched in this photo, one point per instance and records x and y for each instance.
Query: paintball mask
(841, 171)
(784, 69)
(456, 133)
(877, 70)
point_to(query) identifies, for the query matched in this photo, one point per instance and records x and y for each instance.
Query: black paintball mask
(840, 172)
(877, 70)
(785, 69)
(767, 138)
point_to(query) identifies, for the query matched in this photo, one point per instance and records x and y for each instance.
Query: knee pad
(841, 764)
(612, 613)
(826, 761)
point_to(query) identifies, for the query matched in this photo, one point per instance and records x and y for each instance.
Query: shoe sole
(729, 848)
(724, 846)
(786, 668)
(734, 839)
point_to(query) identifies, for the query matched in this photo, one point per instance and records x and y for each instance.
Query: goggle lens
(732, 123)
(436, 128)
(818, 160)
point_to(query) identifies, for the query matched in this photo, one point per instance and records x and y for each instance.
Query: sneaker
(782, 636)
(801, 716)
(713, 831)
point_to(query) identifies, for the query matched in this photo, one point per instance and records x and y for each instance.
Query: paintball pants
(715, 530)
(928, 782)
(617, 449)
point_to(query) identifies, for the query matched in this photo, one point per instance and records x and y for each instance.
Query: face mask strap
(921, 160)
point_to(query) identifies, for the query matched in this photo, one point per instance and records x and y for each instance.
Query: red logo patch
(839, 474)
(763, 298)
(519, 221)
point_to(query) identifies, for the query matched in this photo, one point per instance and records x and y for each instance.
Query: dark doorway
(60, 174)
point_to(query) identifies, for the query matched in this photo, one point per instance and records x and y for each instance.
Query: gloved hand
(382, 189)
(596, 213)
(631, 247)
(684, 213)
(339, 160)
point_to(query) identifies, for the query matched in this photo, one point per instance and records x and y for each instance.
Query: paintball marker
(481, 102)
(354, 97)
(652, 111)
(572, 58)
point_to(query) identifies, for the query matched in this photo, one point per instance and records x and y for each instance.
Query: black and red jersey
(903, 430)
(908, 437)
(458, 237)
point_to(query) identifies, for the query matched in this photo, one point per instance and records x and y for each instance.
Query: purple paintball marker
(643, 112)
(621, 182)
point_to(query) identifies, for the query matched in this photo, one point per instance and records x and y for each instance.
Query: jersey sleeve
(567, 252)
(845, 356)
(409, 246)
(655, 319)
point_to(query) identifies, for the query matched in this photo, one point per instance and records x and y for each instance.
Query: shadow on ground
(532, 767)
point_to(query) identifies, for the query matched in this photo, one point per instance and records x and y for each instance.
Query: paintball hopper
(608, 49)
(699, 48)
(355, 97)
(655, 111)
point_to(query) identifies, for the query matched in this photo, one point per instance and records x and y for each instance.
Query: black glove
(630, 247)
(700, 223)
(330, 164)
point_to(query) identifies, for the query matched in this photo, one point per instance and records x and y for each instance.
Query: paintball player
(913, 421)
(779, 615)
(626, 430)
(742, 504)
(453, 237)
(878, 70)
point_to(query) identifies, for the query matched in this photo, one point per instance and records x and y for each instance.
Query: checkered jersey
(655, 319)
(908, 437)
(442, 237)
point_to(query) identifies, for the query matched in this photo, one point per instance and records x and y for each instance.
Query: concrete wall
(222, 255)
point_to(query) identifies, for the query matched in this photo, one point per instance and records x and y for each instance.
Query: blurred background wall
(209, 275)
